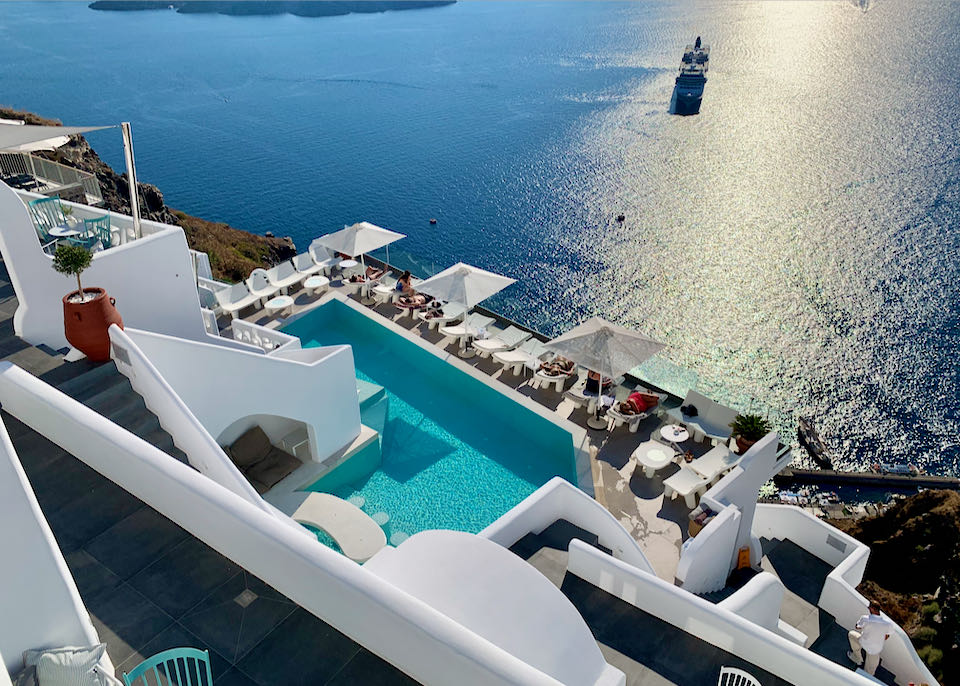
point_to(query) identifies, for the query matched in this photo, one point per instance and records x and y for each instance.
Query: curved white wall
(39, 602)
(151, 279)
(559, 499)
(317, 387)
(705, 559)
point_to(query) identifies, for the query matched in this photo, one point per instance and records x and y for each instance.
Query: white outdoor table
(63, 231)
(652, 456)
(278, 305)
(673, 434)
(315, 284)
(348, 264)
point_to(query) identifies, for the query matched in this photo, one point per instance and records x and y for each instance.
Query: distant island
(301, 8)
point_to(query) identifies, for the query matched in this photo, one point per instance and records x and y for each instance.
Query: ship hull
(686, 104)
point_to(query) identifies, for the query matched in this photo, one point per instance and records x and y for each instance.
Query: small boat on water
(810, 440)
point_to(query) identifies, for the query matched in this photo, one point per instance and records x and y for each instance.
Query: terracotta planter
(85, 324)
(743, 445)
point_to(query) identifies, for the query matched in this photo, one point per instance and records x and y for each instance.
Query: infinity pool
(455, 453)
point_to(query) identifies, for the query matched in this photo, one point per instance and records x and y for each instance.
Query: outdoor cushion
(276, 465)
(250, 448)
(25, 677)
(69, 666)
(260, 487)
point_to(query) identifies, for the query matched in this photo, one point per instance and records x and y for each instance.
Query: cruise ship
(332, 473)
(688, 91)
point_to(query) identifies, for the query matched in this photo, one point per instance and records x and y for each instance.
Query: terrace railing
(269, 340)
(53, 174)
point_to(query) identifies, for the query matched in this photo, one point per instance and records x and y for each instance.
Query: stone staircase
(105, 390)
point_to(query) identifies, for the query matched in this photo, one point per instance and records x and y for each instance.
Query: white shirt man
(869, 636)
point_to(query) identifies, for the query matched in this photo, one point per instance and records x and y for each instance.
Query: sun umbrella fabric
(359, 239)
(605, 348)
(464, 284)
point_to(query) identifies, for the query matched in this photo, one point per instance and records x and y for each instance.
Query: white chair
(616, 418)
(507, 339)
(259, 285)
(526, 354)
(232, 300)
(284, 275)
(386, 290)
(686, 483)
(541, 379)
(322, 257)
(469, 327)
(304, 264)
(449, 313)
(731, 676)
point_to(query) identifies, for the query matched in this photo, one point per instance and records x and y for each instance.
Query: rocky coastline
(233, 253)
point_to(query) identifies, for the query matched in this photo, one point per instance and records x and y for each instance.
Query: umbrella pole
(594, 421)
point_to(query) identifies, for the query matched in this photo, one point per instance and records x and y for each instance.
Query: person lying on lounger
(593, 382)
(415, 301)
(557, 366)
(638, 403)
(372, 274)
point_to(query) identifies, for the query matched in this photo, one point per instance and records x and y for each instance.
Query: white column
(131, 181)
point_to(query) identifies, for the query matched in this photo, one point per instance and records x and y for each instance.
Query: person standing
(871, 632)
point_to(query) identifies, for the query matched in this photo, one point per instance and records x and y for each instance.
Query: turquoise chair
(98, 229)
(47, 213)
(174, 667)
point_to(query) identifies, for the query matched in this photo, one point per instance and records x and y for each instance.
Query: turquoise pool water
(456, 454)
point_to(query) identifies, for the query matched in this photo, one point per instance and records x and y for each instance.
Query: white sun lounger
(283, 276)
(357, 534)
(715, 463)
(304, 264)
(540, 379)
(259, 285)
(686, 483)
(469, 327)
(386, 290)
(617, 418)
(712, 421)
(451, 312)
(508, 339)
(527, 353)
(322, 257)
(233, 299)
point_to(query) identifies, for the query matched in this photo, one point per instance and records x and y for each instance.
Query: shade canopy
(33, 137)
(359, 239)
(464, 284)
(605, 348)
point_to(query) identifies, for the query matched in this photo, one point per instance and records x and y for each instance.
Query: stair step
(92, 382)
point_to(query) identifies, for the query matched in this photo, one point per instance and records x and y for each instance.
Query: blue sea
(795, 245)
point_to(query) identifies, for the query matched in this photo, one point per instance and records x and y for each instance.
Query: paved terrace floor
(659, 525)
(149, 585)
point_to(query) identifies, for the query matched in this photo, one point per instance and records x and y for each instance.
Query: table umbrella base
(466, 353)
(596, 423)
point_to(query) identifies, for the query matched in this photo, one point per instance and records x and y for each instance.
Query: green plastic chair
(99, 229)
(174, 667)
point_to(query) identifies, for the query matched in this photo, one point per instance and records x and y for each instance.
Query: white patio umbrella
(360, 238)
(605, 348)
(464, 284)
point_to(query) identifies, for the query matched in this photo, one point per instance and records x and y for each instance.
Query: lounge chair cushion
(252, 447)
(276, 465)
(70, 666)
(261, 488)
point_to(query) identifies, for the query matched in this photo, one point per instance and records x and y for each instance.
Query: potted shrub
(748, 429)
(87, 312)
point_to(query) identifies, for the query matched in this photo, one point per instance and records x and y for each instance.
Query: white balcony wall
(203, 452)
(151, 279)
(839, 596)
(559, 499)
(705, 559)
(231, 390)
(38, 598)
(711, 623)
(408, 633)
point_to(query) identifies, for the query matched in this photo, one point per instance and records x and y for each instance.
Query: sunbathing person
(557, 366)
(415, 301)
(372, 274)
(404, 285)
(638, 403)
(594, 382)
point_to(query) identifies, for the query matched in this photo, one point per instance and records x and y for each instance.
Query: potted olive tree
(748, 429)
(87, 312)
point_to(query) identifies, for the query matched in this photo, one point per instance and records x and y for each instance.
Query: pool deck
(658, 525)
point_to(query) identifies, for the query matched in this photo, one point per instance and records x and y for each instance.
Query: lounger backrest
(259, 280)
(721, 416)
(303, 262)
(699, 401)
(234, 294)
(453, 309)
(319, 252)
(388, 281)
(282, 271)
(513, 336)
(477, 321)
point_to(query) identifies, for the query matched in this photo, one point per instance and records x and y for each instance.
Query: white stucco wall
(39, 603)
(227, 390)
(705, 559)
(151, 279)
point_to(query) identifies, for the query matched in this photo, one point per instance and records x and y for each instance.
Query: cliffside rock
(233, 253)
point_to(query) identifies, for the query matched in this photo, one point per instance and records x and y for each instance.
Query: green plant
(931, 610)
(72, 259)
(925, 634)
(750, 427)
